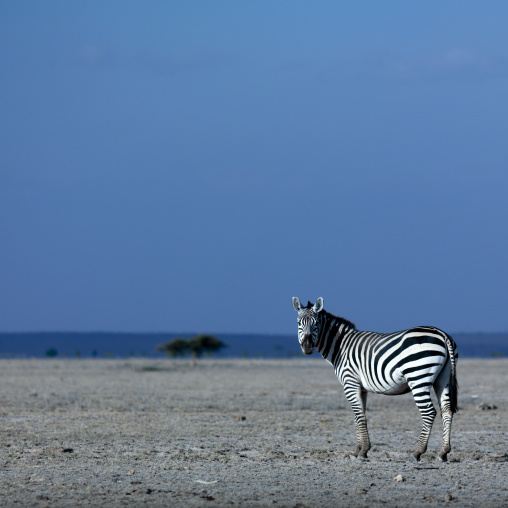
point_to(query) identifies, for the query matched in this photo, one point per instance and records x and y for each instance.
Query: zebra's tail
(452, 384)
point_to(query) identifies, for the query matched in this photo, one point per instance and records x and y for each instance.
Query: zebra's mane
(347, 323)
(341, 320)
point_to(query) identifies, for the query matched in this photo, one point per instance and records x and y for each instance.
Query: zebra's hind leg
(421, 394)
(443, 397)
(358, 399)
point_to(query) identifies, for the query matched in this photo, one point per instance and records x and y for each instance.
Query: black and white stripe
(389, 363)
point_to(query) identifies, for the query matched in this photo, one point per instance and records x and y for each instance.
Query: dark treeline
(124, 345)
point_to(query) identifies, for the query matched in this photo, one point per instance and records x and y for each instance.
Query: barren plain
(237, 433)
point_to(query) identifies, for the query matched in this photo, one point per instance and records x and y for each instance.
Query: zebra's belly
(398, 389)
(394, 389)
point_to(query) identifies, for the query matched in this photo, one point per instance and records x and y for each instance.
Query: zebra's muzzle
(307, 346)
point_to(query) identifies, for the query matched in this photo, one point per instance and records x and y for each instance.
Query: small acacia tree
(176, 347)
(207, 344)
(196, 346)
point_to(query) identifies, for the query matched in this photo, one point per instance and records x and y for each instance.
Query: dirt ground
(236, 433)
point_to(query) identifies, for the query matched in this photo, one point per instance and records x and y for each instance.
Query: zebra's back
(389, 363)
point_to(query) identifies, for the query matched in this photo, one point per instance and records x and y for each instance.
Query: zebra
(389, 363)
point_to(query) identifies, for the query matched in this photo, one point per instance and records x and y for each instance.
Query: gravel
(237, 433)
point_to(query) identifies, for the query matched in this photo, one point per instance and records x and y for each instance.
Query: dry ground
(236, 433)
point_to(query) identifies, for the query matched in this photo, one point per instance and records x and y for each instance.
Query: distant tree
(51, 352)
(175, 347)
(196, 346)
(205, 344)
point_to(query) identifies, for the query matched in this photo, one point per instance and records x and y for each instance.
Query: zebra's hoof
(415, 456)
(443, 457)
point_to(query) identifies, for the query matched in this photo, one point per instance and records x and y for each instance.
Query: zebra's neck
(332, 329)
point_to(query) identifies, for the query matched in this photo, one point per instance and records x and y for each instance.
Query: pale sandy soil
(236, 433)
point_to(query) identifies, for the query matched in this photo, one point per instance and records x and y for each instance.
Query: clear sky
(190, 166)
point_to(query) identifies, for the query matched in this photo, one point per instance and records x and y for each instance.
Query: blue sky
(191, 166)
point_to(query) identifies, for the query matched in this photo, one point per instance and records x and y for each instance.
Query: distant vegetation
(129, 345)
(195, 346)
(51, 352)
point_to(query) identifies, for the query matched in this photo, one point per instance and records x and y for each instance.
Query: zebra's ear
(318, 306)
(296, 304)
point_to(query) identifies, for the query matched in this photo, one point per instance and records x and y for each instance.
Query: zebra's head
(308, 323)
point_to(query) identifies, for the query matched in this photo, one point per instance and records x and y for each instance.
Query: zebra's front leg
(358, 400)
(421, 394)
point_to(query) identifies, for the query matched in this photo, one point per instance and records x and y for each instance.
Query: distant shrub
(51, 352)
(205, 344)
(174, 348)
(196, 346)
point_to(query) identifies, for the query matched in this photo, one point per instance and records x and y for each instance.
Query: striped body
(413, 360)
